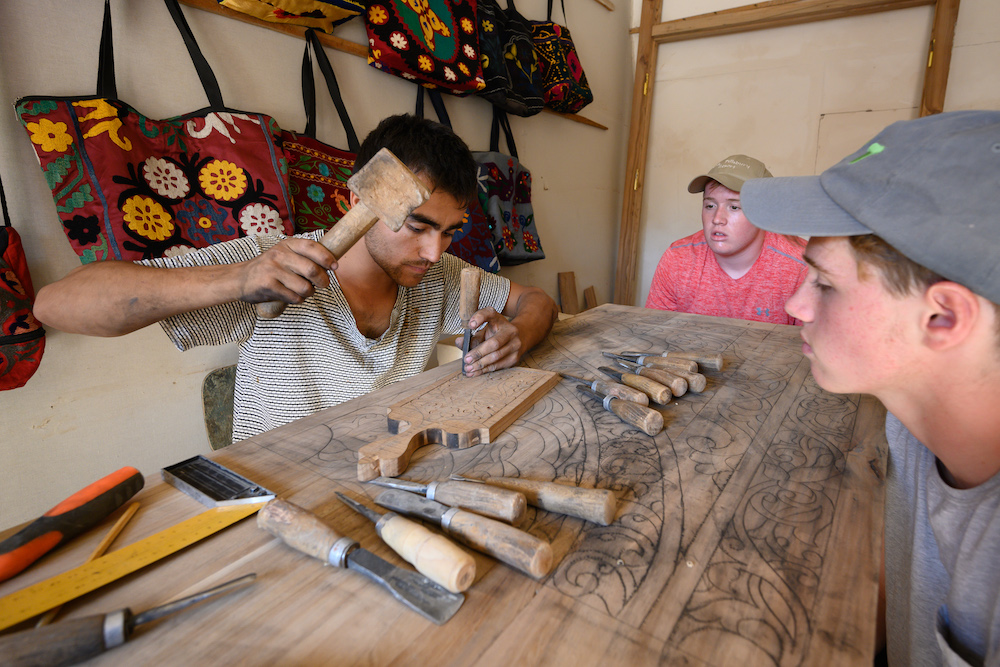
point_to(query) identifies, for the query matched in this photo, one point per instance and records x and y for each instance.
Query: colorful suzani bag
(130, 187)
(431, 42)
(318, 172)
(564, 84)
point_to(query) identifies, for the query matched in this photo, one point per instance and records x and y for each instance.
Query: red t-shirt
(688, 279)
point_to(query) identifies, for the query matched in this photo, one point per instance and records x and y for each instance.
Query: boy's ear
(952, 314)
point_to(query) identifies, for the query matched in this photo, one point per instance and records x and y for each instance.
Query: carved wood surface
(748, 530)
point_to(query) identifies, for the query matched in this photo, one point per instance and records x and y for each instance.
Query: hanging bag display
(505, 194)
(431, 42)
(510, 64)
(473, 242)
(130, 187)
(22, 338)
(318, 172)
(564, 84)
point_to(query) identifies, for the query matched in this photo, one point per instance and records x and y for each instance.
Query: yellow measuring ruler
(39, 598)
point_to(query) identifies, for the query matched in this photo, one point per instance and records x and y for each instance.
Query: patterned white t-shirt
(313, 356)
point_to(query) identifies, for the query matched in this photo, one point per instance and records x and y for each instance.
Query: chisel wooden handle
(696, 381)
(678, 385)
(597, 505)
(434, 556)
(708, 360)
(338, 240)
(620, 391)
(509, 506)
(507, 544)
(647, 420)
(669, 364)
(657, 392)
(67, 642)
(469, 295)
(300, 529)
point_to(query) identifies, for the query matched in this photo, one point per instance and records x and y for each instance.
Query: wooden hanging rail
(337, 43)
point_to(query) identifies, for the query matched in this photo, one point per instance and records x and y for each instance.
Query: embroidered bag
(505, 194)
(22, 338)
(431, 42)
(322, 14)
(318, 172)
(564, 84)
(510, 64)
(129, 187)
(472, 242)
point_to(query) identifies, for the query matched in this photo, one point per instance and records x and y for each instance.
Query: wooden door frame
(760, 16)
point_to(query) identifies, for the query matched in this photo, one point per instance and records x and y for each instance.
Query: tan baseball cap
(731, 172)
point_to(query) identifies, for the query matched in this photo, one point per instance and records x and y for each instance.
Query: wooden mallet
(387, 190)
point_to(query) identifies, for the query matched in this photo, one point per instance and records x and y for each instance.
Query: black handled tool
(77, 639)
(505, 543)
(435, 556)
(304, 531)
(647, 420)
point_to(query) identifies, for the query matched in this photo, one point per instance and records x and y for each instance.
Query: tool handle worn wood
(654, 390)
(469, 294)
(696, 381)
(596, 505)
(502, 504)
(688, 365)
(620, 391)
(298, 528)
(507, 544)
(647, 420)
(338, 240)
(65, 643)
(706, 359)
(678, 385)
(434, 556)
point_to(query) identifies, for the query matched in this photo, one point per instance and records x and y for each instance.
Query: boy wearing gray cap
(901, 302)
(729, 268)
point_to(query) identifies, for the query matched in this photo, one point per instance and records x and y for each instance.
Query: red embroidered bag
(130, 187)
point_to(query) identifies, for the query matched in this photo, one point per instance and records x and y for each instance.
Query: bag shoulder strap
(436, 101)
(313, 45)
(106, 84)
(3, 203)
(500, 122)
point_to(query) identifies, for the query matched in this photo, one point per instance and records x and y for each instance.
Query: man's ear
(953, 312)
(353, 199)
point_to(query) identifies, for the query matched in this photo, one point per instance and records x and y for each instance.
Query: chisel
(678, 385)
(597, 505)
(706, 359)
(468, 305)
(507, 544)
(81, 511)
(613, 389)
(434, 556)
(696, 382)
(502, 504)
(304, 531)
(647, 420)
(655, 361)
(657, 392)
(77, 639)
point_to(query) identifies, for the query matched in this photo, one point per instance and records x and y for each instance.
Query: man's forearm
(114, 298)
(534, 314)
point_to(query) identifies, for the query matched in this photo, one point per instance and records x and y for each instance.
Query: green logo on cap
(874, 149)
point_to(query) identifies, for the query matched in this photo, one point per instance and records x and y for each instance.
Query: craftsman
(901, 302)
(357, 323)
(729, 268)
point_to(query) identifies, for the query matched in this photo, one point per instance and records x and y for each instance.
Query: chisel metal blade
(414, 590)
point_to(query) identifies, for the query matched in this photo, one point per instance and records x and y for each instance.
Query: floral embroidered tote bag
(130, 187)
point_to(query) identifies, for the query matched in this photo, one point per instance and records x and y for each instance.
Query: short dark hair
(427, 148)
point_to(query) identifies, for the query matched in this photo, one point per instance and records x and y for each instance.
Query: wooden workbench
(748, 531)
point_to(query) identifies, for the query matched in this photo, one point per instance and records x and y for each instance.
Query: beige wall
(798, 98)
(96, 405)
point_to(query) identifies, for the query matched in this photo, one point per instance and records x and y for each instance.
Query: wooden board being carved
(457, 412)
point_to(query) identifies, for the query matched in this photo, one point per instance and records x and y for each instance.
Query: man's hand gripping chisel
(434, 556)
(304, 531)
(77, 639)
(468, 305)
(387, 190)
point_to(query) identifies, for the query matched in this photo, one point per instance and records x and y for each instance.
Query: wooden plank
(569, 301)
(939, 57)
(607, 4)
(773, 14)
(346, 46)
(635, 164)
(589, 298)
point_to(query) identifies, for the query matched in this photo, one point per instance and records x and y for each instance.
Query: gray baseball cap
(929, 187)
(732, 172)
